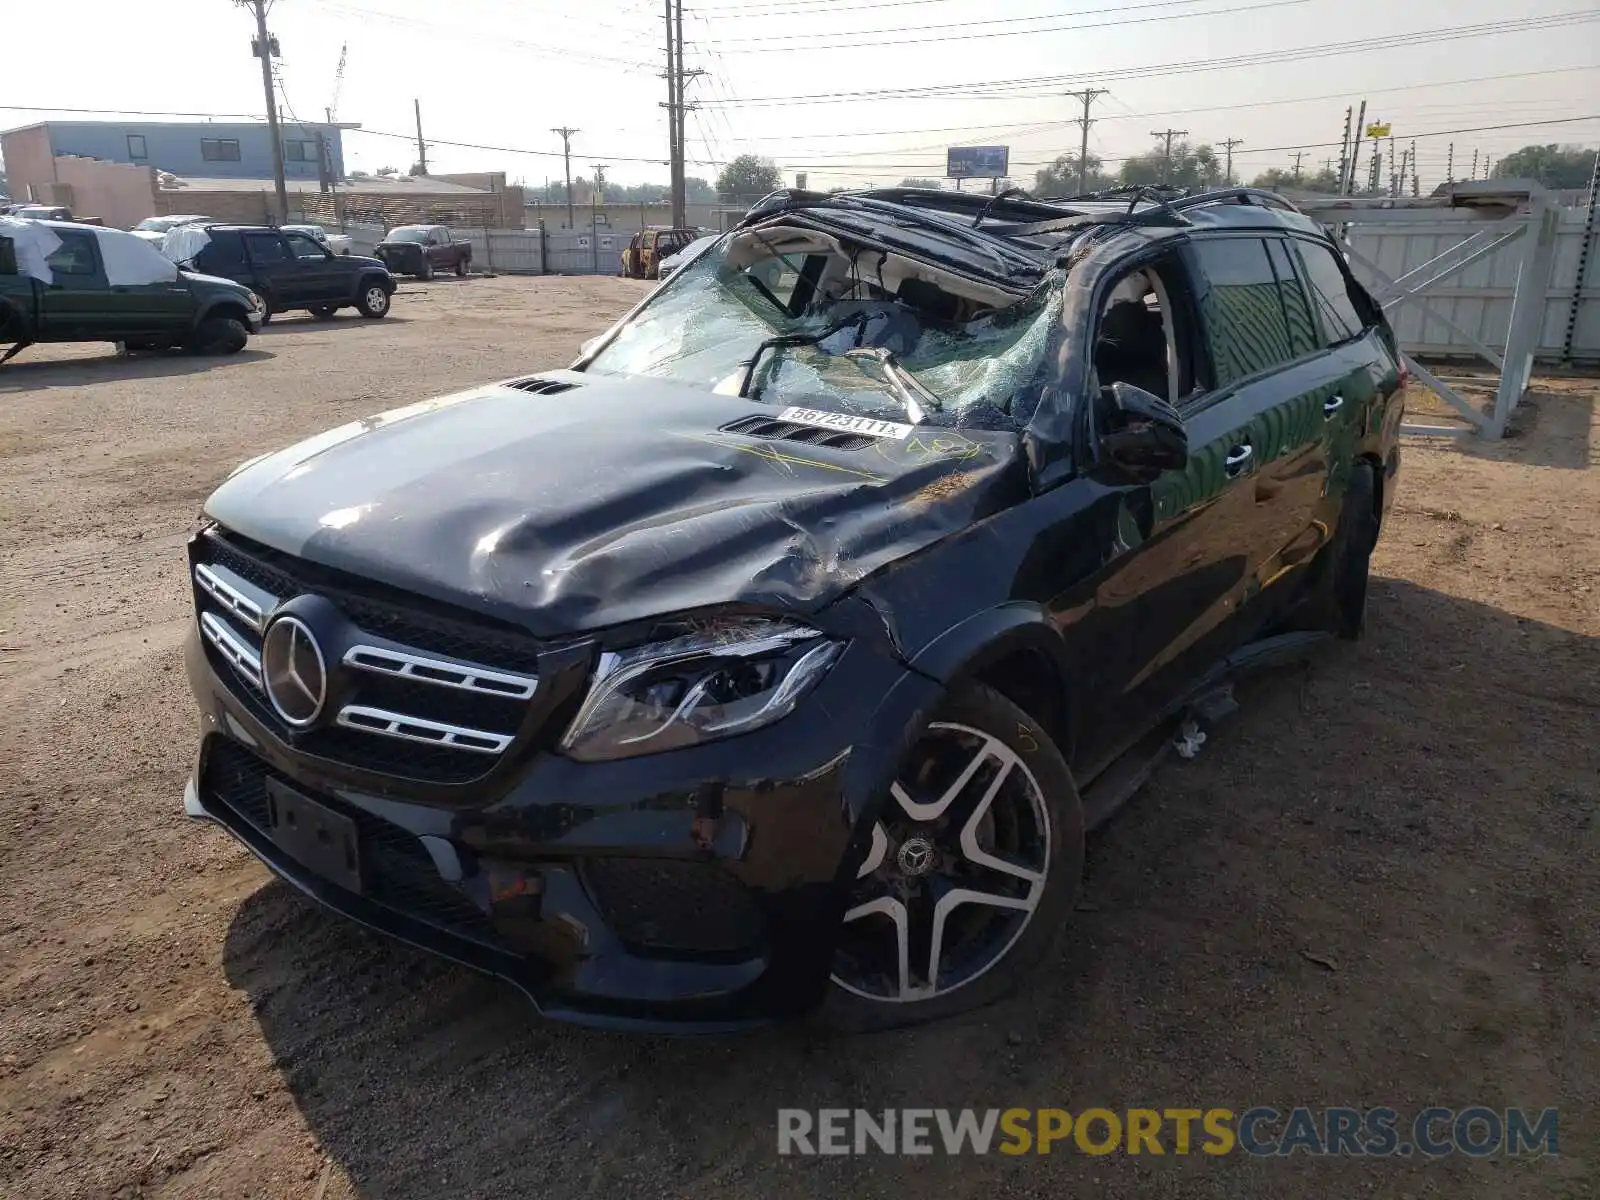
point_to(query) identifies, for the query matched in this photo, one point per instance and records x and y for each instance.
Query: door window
(1291, 290)
(223, 254)
(266, 249)
(305, 247)
(75, 255)
(1330, 290)
(1244, 319)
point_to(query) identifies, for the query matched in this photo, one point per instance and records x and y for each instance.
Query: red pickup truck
(421, 250)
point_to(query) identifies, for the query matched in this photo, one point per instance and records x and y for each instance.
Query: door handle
(1332, 405)
(1238, 460)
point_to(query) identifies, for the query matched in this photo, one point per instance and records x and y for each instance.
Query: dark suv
(290, 270)
(778, 654)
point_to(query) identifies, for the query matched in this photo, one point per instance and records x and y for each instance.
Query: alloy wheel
(957, 866)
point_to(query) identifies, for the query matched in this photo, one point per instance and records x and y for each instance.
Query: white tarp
(34, 243)
(184, 242)
(130, 261)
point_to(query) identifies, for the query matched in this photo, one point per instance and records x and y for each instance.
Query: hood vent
(789, 431)
(541, 387)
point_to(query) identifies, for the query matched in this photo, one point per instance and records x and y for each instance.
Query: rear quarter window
(1339, 312)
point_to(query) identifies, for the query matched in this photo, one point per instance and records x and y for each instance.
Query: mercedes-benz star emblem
(293, 671)
(916, 856)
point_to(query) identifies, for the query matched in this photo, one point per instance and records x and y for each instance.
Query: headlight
(730, 677)
(255, 301)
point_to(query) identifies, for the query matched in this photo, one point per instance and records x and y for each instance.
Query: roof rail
(1260, 197)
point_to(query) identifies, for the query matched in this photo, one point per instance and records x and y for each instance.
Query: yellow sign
(1378, 131)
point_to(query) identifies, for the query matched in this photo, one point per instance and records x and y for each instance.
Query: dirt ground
(1376, 885)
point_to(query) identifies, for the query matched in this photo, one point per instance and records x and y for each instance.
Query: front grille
(789, 431)
(399, 873)
(430, 693)
(670, 906)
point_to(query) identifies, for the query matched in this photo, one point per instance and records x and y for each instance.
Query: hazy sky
(502, 74)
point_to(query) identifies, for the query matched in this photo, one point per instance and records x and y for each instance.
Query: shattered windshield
(793, 318)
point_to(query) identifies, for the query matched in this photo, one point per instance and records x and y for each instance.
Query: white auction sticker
(844, 421)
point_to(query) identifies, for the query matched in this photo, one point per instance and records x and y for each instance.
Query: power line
(861, 35)
(861, 40)
(1011, 89)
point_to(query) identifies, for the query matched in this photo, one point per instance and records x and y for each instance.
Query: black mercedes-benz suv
(776, 656)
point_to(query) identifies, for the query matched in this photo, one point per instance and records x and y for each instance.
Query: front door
(74, 305)
(318, 275)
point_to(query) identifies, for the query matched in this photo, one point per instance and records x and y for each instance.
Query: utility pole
(1298, 155)
(674, 145)
(1450, 164)
(1348, 184)
(1227, 148)
(1088, 96)
(1375, 172)
(1344, 150)
(265, 47)
(422, 146)
(566, 155)
(1394, 179)
(1416, 187)
(1474, 173)
(1166, 155)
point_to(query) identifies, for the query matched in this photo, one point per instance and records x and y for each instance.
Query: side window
(1330, 292)
(305, 247)
(1244, 321)
(75, 255)
(8, 257)
(136, 147)
(266, 249)
(1144, 333)
(222, 254)
(1291, 290)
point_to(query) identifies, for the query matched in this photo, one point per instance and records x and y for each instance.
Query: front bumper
(698, 890)
(255, 320)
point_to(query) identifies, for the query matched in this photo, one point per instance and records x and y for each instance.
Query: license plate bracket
(314, 835)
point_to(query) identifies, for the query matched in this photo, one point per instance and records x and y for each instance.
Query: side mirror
(1140, 435)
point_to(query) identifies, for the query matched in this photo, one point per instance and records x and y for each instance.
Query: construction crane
(332, 110)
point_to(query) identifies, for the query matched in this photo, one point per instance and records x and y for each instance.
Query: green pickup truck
(61, 282)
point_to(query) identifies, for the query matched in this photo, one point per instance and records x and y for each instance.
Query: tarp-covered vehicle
(64, 282)
(777, 655)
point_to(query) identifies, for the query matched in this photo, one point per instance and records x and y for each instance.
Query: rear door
(1275, 382)
(275, 269)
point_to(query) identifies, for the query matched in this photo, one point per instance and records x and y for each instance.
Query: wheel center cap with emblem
(293, 671)
(916, 856)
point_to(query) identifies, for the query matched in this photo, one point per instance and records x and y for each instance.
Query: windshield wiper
(908, 388)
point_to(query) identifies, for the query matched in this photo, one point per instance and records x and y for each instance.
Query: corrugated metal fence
(1478, 299)
(526, 251)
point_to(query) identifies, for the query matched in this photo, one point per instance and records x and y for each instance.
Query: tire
(1338, 599)
(426, 270)
(323, 312)
(1018, 804)
(462, 267)
(373, 300)
(219, 335)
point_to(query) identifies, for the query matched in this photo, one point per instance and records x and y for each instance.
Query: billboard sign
(977, 162)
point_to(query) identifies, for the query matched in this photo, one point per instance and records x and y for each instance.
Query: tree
(1554, 166)
(1193, 167)
(749, 176)
(933, 185)
(698, 191)
(1060, 178)
(1323, 181)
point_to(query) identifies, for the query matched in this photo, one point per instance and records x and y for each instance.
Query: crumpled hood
(612, 501)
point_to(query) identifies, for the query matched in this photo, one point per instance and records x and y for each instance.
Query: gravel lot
(1376, 885)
